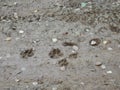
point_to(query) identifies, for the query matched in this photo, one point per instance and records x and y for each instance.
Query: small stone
(17, 38)
(98, 63)
(8, 56)
(54, 88)
(0, 57)
(8, 39)
(103, 66)
(54, 39)
(21, 31)
(17, 80)
(83, 4)
(15, 3)
(23, 69)
(35, 83)
(82, 83)
(118, 46)
(62, 68)
(95, 42)
(15, 15)
(87, 30)
(75, 48)
(119, 66)
(110, 49)
(109, 72)
(35, 11)
(106, 42)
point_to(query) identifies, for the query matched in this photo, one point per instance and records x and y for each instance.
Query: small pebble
(95, 42)
(23, 69)
(98, 63)
(87, 30)
(83, 4)
(105, 42)
(109, 72)
(54, 88)
(15, 15)
(54, 39)
(35, 83)
(62, 68)
(0, 57)
(118, 46)
(15, 3)
(35, 11)
(103, 66)
(75, 48)
(110, 49)
(17, 80)
(21, 31)
(8, 39)
(82, 83)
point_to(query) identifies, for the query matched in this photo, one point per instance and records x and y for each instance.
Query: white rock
(105, 42)
(109, 72)
(17, 80)
(62, 68)
(23, 69)
(15, 15)
(109, 48)
(8, 39)
(54, 39)
(82, 83)
(54, 88)
(75, 48)
(0, 57)
(98, 63)
(21, 31)
(103, 66)
(35, 83)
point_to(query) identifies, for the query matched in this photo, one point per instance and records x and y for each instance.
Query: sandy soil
(59, 45)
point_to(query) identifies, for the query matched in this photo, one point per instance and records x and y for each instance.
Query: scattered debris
(54, 39)
(73, 55)
(63, 62)
(98, 63)
(95, 42)
(109, 72)
(27, 53)
(55, 53)
(69, 44)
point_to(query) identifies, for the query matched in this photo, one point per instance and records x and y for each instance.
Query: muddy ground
(59, 44)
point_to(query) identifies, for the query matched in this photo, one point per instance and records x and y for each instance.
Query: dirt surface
(59, 44)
